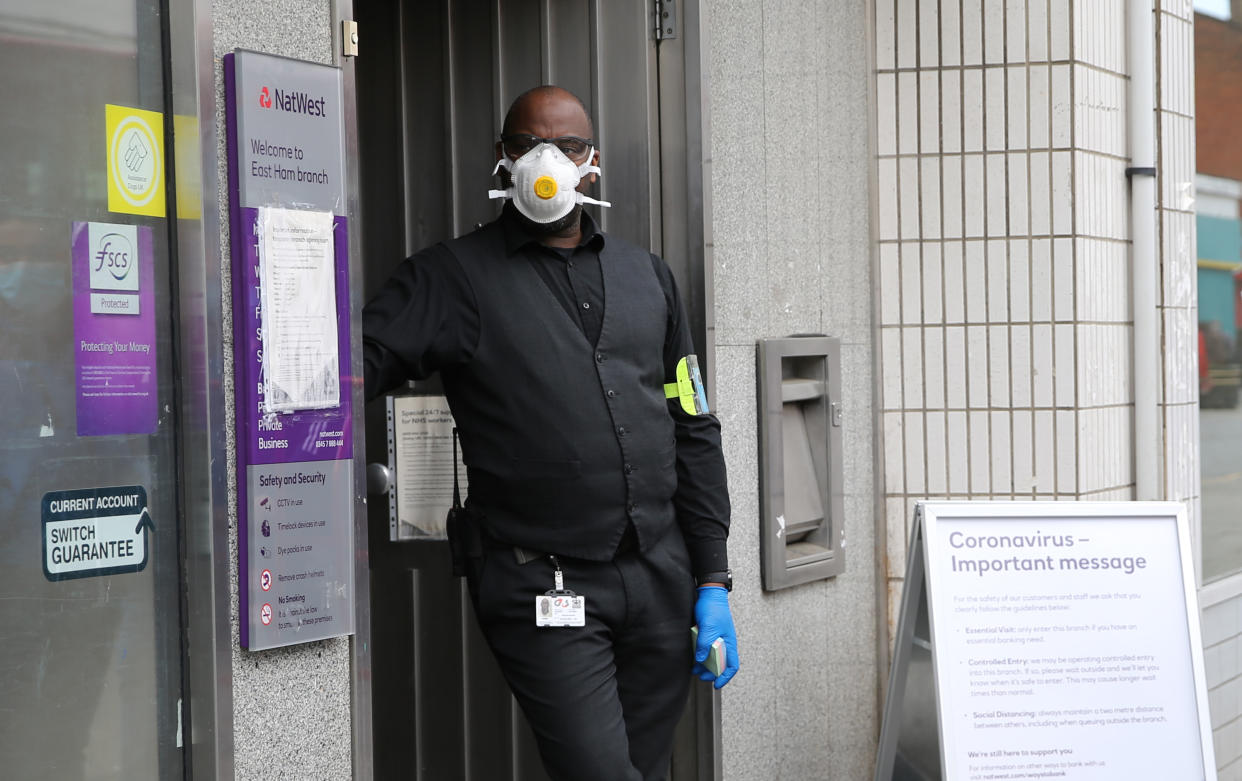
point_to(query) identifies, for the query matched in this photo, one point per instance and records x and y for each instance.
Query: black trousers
(603, 699)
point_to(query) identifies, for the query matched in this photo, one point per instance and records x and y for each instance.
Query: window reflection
(90, 667)
(1218, 231)
(1218, 8)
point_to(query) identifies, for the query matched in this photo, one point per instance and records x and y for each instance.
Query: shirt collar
(517, 236)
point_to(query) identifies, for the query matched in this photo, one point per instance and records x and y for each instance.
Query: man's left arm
(702, 497)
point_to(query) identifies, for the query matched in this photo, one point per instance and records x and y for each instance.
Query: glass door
(90, 649)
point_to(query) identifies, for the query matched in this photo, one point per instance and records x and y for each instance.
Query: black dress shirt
(431, 298)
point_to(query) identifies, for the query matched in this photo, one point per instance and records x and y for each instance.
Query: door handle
(379, 479)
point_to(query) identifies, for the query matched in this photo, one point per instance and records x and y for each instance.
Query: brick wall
(1218, 85)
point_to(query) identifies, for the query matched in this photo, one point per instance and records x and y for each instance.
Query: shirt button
(632, 508)
(600, 358)
(586, 304)
(621, 431)
(612, 394)
(629, 469)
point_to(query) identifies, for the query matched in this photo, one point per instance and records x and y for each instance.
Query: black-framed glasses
(573, 147)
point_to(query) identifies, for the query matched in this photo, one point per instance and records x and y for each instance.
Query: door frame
(684, 96)
(360, 643)
(682, 233)
(207, 704)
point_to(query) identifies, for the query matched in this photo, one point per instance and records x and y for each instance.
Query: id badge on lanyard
(559, 606)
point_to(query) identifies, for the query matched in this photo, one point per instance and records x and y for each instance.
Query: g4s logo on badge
(265, 98)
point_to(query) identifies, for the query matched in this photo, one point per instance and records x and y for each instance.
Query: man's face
(549, 114)
(552, 115)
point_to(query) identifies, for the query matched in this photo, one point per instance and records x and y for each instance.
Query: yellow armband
(688, 389)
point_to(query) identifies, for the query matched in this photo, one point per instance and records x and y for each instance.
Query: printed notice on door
(1062, 648)
(421, 441)
(298, 293)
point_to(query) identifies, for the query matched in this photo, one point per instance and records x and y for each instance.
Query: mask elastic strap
(588, 199)
(587, 168)
(504, 163)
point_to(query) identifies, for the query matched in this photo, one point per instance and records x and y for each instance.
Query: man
(596, 474)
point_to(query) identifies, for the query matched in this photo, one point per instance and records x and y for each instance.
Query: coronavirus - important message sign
(1065, 641)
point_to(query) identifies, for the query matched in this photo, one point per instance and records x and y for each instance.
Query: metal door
(90, 662)
(433, 84)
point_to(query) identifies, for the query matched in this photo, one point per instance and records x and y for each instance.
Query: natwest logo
(294, 102)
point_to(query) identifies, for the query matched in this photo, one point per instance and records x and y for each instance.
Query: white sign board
(298, 289)
(1064, 640)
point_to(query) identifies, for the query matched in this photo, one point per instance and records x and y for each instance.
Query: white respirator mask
(543, 183)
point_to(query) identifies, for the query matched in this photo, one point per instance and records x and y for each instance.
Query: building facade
(942, 185)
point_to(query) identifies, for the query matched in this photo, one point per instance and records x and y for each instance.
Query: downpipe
(1148, 442)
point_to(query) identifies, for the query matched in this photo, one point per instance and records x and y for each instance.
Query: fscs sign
(113, 256)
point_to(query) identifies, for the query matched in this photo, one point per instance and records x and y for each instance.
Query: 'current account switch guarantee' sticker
(135, 160)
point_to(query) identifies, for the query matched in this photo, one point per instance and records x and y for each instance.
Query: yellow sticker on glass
(189, 180)
(135, 160)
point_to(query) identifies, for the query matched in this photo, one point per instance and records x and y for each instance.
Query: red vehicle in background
(1220, 372)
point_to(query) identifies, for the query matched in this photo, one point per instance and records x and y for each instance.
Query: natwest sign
(293, 101)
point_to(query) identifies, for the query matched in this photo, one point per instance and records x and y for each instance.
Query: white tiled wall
(1002, 229)
(1004, 265)
(1222, 661)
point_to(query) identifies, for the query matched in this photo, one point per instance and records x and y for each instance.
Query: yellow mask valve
(545, 187)
(688, 389)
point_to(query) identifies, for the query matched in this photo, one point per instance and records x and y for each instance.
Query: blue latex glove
(711, 612)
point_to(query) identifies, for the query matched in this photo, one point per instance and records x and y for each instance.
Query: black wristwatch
(724, 577)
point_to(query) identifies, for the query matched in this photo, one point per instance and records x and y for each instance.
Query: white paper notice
(297, 277)
(422, 445)
(1062, 649)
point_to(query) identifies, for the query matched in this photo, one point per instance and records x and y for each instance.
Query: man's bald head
(550, 112)
(545, 106)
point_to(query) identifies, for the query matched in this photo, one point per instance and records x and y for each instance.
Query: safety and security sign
(295, 493)
(135, 160)
(95, 531)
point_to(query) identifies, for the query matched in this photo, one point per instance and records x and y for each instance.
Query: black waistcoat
(564, 442)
